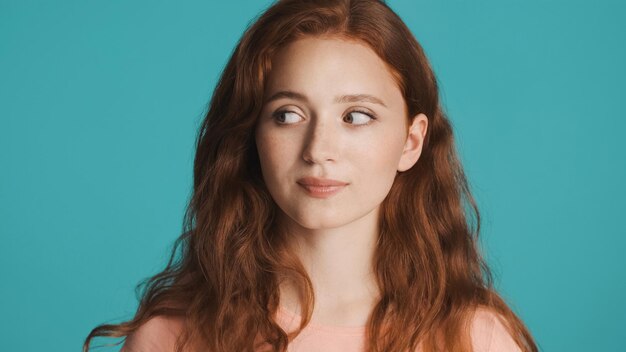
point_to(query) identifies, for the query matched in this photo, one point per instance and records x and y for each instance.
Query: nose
(321, 142)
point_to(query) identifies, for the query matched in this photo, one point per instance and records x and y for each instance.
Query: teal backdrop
(100, 102)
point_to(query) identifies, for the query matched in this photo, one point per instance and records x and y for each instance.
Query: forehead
(332, 65)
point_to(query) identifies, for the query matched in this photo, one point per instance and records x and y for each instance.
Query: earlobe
(414, 142)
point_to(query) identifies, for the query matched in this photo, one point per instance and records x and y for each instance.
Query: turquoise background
(100, 102)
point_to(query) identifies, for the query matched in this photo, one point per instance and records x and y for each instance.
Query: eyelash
(371, 116)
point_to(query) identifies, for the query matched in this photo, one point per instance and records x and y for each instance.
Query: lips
(320, 182)
(321, 187)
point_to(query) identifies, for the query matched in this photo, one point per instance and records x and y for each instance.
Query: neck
(339, 264)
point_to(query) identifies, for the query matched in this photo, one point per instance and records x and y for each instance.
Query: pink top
(159, 335)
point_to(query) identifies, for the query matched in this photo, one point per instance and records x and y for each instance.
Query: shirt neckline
(294, 319)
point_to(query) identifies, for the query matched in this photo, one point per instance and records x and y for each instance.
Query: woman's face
(332, 110)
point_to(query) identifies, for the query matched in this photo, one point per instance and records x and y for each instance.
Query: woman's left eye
(359, 118)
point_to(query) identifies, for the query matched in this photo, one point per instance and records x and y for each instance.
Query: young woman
(330, 211)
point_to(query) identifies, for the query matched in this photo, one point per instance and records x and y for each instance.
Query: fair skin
(313, 133)
(333, 236)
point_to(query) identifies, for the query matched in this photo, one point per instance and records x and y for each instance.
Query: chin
(316, 222)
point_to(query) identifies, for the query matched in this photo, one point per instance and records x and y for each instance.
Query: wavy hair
(224, 270)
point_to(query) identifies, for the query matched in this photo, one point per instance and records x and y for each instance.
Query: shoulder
(158, 334)
(489, 334)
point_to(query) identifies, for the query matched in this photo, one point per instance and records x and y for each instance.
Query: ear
(414, 142)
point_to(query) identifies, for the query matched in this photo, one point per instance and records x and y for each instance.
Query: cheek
(273, 156)
(378, 166)
(381, 168)
(382, 154)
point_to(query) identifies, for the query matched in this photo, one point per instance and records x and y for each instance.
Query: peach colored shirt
(159, 335)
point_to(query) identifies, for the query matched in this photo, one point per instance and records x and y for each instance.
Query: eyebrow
(350, 98)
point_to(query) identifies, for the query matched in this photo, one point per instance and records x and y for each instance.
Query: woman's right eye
(286, 117)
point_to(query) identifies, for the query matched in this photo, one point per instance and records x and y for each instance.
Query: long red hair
(224, 270)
